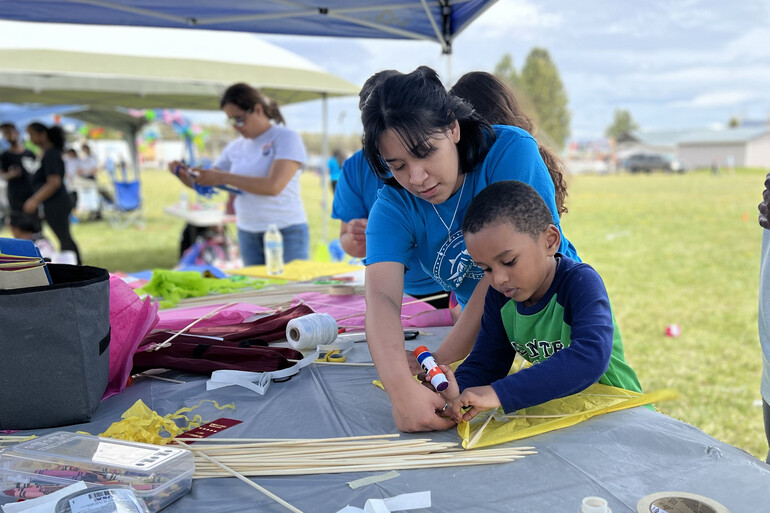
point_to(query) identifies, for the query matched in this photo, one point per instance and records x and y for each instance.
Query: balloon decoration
(193, 134)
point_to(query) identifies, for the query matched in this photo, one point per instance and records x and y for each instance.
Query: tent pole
(325, 167)
(131, 134)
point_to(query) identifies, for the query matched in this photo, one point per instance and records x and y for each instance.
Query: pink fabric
(131, 319)
(179, 318)
(414, 315)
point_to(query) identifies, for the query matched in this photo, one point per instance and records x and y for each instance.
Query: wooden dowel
(289, 440)
(247, 481)
(167, 342)
(476, 437)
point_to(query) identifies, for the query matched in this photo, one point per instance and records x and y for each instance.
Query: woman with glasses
(263, 163)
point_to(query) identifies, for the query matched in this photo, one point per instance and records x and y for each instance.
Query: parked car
(648, 162)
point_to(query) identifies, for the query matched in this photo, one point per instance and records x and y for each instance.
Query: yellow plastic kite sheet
(299, 270)
(597, 399)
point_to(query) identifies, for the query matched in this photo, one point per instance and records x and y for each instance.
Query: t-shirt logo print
(453, 263)
(30, 164)
(267, 148)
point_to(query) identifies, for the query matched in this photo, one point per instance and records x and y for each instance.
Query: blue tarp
(407, 19)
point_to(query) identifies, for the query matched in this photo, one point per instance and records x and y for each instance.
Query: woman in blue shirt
(441, 154)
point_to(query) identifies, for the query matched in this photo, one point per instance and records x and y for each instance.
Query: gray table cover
(620, 456)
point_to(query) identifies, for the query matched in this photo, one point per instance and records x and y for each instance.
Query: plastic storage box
(158, 474)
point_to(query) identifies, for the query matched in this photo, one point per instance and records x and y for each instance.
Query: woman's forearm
(52, 184)
(386, 340)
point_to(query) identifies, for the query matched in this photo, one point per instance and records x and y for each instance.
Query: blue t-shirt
(354, 197)
(401, 224)
(334, 169)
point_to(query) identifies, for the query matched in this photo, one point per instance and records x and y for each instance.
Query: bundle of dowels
(280, 457)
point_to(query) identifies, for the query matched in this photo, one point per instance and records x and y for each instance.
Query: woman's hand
(180, 170)
(414, 366)
(353, 237)
(208, 176)
(30, 206)
(12, 173)
(416, 408)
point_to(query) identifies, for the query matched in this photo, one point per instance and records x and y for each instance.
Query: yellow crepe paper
(141, 424)
(299, 270)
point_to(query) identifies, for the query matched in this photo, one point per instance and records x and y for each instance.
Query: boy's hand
(477, 398)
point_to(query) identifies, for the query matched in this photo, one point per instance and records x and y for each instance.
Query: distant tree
(622, 125)
(540, 80)
(734, 122)
(505, 71)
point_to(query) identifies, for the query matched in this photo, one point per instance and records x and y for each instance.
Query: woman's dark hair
(493, 100)
(417, 107)
(246, 98)
(55, 134)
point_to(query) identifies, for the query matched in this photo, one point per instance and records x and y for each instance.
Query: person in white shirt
(264, 163)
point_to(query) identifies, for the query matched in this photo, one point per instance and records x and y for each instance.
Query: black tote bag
(54, 349)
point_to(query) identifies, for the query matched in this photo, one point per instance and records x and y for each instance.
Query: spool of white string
(312, 330)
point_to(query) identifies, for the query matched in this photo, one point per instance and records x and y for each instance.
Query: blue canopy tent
(433, 20)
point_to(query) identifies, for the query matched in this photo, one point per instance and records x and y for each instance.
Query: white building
(738, 147)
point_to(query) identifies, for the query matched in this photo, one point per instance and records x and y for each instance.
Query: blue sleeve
(492, 354)
(389, 234)
(289, 146)
(349, 196)
(576, 367)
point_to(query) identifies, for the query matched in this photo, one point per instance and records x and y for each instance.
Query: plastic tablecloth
(620, 456)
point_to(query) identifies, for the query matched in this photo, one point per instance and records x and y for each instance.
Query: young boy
(550, 309)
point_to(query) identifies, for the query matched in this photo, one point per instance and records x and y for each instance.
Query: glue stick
(435, 374)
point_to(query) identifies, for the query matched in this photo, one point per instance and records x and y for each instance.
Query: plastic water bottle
(273, 243)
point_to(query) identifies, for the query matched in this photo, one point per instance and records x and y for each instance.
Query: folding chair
(126, 209)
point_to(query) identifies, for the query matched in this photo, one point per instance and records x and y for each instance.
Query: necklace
(449, 226)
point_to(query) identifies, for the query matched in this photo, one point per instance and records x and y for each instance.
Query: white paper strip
(402, 502)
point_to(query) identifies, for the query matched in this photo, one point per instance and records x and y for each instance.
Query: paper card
(23, 278)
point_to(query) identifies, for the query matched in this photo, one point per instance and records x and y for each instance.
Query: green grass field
(678, 249)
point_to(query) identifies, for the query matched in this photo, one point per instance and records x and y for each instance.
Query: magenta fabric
(131, 319)
(414, 315)
(179, 318)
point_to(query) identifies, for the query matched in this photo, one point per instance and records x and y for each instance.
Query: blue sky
(683, 64)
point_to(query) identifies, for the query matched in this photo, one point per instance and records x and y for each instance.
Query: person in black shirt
(48, 185)
(13, 168)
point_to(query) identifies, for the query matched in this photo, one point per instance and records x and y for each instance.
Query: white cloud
(509, 16)
(728, 98)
